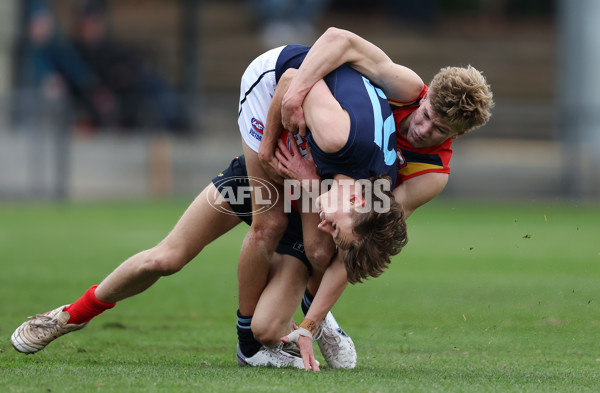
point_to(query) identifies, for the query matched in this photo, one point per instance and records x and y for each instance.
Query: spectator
(51, 69)
(287, 21)
(132, 95)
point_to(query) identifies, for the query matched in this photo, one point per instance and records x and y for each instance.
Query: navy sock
(306, 301)
(248, 344)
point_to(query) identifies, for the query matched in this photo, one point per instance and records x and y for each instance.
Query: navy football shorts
(236, 176)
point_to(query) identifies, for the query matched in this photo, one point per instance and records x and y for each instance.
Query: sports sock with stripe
(306, 301)
(87, 307)
(248, 344)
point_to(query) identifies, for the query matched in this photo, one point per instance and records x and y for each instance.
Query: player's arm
(334, 281)
(419, 190)
(273, 127)
(328, 122)
(336, 47)
(319, 245)
(331, 288)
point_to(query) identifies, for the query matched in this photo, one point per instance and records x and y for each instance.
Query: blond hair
(461, 97)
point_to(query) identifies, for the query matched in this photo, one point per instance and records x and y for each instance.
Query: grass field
(485, 298)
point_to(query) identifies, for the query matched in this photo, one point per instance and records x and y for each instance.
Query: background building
(157, 117)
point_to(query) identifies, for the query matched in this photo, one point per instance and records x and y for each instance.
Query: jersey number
(383, 129)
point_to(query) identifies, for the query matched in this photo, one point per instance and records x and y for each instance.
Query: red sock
(87, 307)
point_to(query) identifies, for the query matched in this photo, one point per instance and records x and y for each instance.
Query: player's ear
(357, 200)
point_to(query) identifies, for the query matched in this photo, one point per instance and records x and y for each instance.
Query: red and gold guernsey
(414, 161)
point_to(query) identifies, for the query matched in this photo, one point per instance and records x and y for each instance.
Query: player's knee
(269, 228)
(164, 261)
(267, 333)
(319, 255)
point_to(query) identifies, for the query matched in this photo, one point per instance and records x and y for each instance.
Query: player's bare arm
(328, 122)
(419, 190)
(319, 245)
(336, 47)
(274, 128)
(332, 286)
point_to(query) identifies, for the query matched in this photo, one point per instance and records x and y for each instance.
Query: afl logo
(257, 125)
(238, 193)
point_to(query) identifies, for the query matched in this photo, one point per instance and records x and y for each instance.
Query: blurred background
(129, 99)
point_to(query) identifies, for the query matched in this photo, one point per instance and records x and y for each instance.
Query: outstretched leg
(200, 224)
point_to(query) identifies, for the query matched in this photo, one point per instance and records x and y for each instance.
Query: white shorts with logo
(256, 92)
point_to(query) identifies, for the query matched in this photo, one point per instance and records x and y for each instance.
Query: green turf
(485, 298)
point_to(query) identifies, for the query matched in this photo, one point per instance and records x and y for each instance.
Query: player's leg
(268, 225)
(311, 290)
(199, 225)
(288, 271)
(279, 300)
(274, 313)
(257, 250)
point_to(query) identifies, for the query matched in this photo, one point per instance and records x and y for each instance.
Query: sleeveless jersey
(370, 148)
(414, 161)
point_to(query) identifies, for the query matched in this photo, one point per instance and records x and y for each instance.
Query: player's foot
(269, 357)
(33, 335)
(335, 345)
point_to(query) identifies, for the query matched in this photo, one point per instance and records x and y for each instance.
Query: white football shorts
(256, 92)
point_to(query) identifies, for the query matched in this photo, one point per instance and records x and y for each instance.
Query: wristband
(303, 332)
(293, 336)
(309, 325)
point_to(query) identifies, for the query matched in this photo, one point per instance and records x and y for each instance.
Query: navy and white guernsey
(371, 147)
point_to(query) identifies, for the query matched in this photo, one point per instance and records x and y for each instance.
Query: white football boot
(269, 357)
(33, 335)
(336, 346)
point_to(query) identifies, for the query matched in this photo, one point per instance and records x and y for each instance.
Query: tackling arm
(419, 190)
(329, 123)
(318, 245)
(334, 48)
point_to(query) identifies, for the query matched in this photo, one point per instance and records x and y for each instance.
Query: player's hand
(271, 169)
(292, 114)
(292, 165)
(305, 343)
(270, 164)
